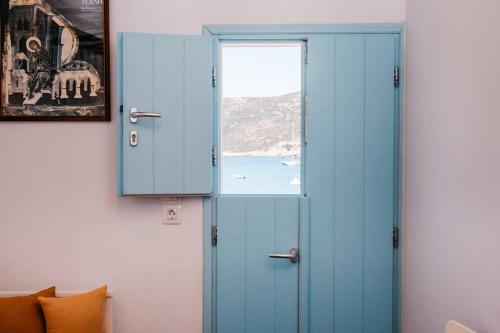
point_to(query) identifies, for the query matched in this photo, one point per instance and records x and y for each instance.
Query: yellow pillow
(23, 314)
(82, 313)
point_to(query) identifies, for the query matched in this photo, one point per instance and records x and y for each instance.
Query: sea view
(259, 175)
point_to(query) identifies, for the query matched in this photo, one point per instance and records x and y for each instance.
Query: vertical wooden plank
(286, 273)
(169, 101)
(304, 270)
(208, 265)
(197, 115)
(260, 269)
(138, 92)
(349, 187)
(379, 183)
(231, 265)
(119, 116)
(321, 138)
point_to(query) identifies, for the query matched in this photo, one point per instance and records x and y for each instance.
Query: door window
(260, 118)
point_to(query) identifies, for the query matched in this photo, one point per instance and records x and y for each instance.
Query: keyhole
(133, 138)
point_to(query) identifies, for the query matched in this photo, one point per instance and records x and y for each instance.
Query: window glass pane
(261, 118)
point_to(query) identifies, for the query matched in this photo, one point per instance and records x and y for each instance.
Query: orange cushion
(82, 313)
(23, 314)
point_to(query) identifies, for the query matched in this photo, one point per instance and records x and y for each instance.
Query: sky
(260, 70)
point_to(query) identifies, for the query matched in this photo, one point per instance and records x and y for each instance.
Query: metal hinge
(214, 235)
(214, 156)
(121, 108)
(395, 237)
(214, 77)
(306, 116)
(396, 76)
(306, 56)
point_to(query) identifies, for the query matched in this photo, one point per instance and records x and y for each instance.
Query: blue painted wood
(138, 78)
(274, 29)
(398, 176)
(286, 283)
(209, 264)
(170, 75)
(320, 187)
(380, 192)
(320, 277)
(304, 269)
(351, 182)
(198, 118)
(169, 101)
(231, 265)
(254, 292)
(119, 122)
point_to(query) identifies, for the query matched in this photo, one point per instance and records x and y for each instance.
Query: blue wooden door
(352, 182)
(256, 293)
(170, 76)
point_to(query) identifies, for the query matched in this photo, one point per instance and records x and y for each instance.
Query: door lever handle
(293, 256)
(134, 115)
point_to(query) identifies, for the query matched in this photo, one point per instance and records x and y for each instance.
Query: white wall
(60, 220)
(452, 234)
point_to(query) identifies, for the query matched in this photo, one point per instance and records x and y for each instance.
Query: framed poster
(55, 60)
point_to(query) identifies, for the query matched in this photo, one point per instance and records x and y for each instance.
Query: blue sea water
(258, 175)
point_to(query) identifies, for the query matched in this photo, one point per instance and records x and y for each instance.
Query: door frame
(287, 32)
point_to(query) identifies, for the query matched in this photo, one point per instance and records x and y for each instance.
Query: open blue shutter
(170, 75)
(352, 137)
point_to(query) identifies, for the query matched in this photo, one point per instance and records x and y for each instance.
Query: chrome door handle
(134, 115)
(293, 256)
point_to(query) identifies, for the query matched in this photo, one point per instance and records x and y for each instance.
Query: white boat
(292, 162)
(295, 180)
(239, 177)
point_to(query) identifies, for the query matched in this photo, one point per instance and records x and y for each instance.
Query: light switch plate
(171, 212)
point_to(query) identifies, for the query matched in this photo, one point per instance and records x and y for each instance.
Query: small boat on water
(295, 180)
(292, 162)
(239, 177)
(294, 159)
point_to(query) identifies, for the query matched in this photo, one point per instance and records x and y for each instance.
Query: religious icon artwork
(55, 60)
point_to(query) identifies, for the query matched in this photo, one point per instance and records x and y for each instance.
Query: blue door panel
(138, 74)
(170, 75)
(169, 99)
(320, 188)
(379, 196)
(231, 265)
(286, 287)
(254, 292)
(198, 120)
(349, 183)
(351, 167)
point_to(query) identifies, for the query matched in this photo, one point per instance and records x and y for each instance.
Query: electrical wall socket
(171, 212)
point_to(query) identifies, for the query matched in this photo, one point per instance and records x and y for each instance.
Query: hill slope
(261, 126)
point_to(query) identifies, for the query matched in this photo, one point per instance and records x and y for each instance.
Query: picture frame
(54, 60)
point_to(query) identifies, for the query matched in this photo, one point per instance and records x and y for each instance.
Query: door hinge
(306, 116)
(214, 235)
(214, 156)
(214, 77)
(306, 55)
(121, 108)
(396, 76)
(395, 237)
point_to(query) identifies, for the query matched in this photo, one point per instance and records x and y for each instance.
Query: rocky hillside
(261, 126)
